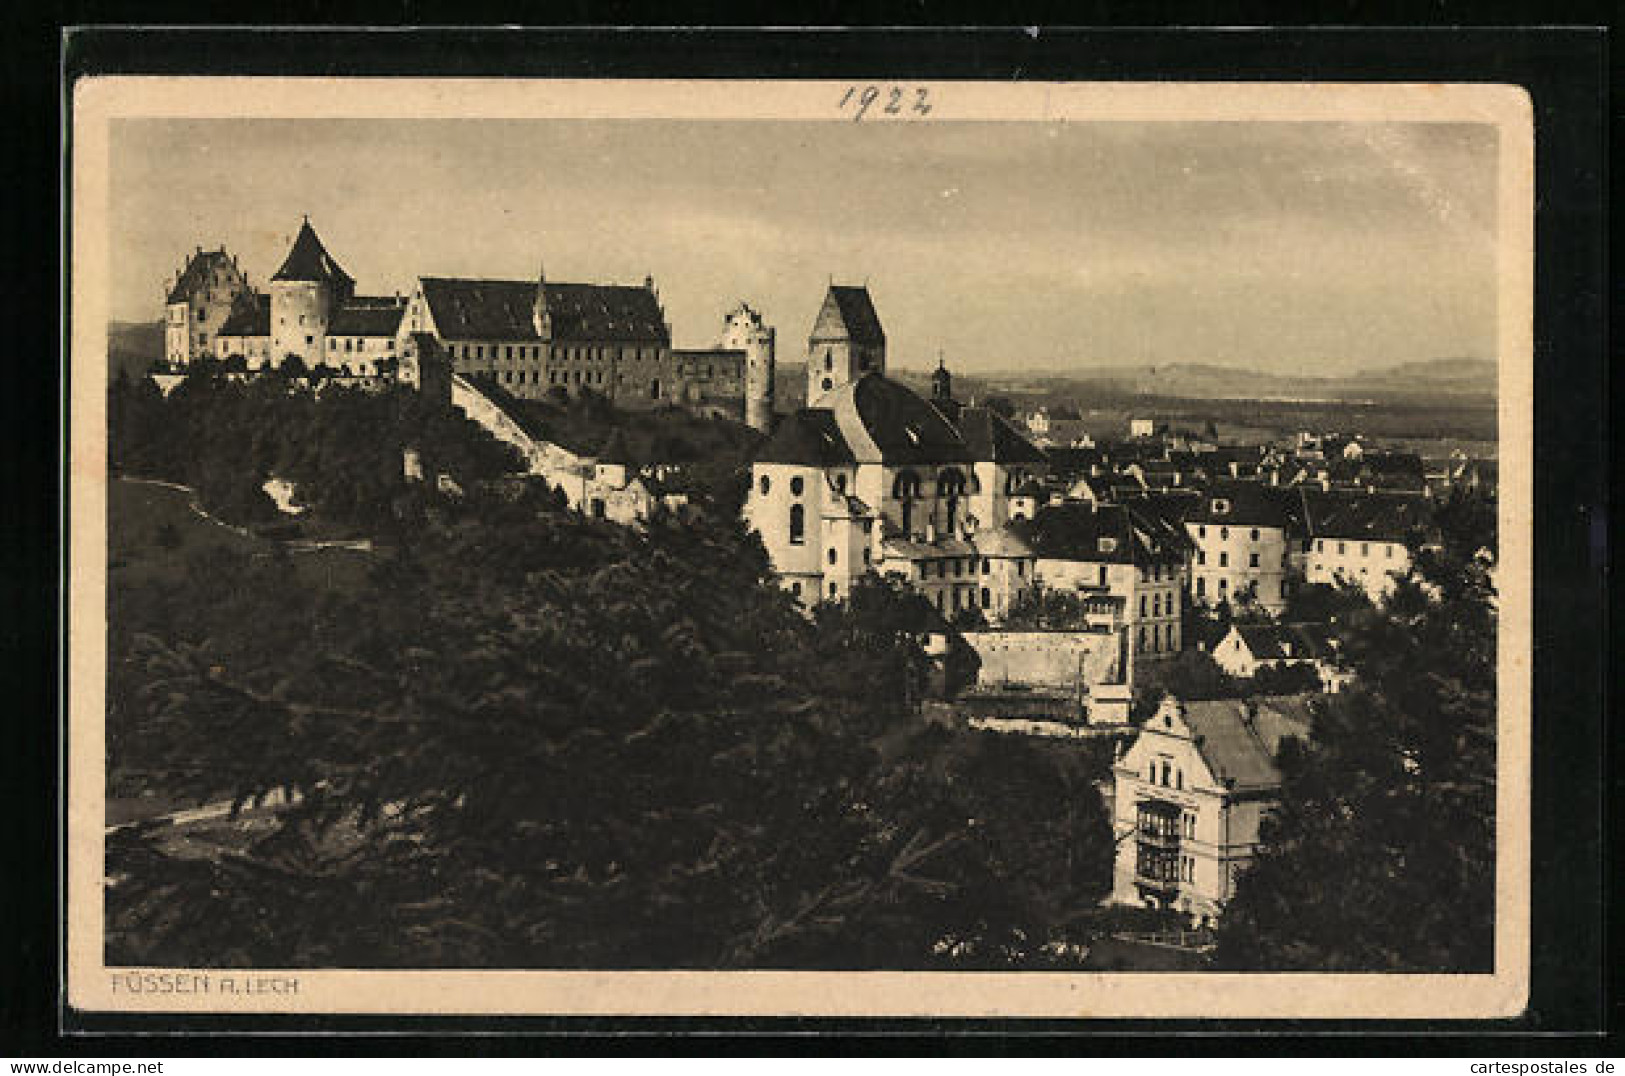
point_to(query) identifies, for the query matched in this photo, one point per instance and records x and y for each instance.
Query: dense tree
(1188, 675)
(341, 447)
(550, 741)
(1040, 608)
(1323, 603)
(1394, 797)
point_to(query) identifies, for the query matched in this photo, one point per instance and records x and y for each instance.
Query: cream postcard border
(98, 101)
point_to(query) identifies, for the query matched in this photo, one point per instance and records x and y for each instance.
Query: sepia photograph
(891, 548)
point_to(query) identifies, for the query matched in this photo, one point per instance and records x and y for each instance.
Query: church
(870, 476)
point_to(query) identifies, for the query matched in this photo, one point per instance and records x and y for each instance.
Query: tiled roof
(1003, 542)
(309, 260)
(613, 313)
(1240, 744)
(1271, 642)
(1243, 503)
(809, 437)
(1074, 531)
(990, 437)
(857, 313)
(909, 549)
(466, 309)
(884, 421)
(366, 317)
(250, 316)
(197, 272)
(1354, 514)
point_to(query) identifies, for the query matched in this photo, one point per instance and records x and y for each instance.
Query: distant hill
(133, 346)
(1454, 377)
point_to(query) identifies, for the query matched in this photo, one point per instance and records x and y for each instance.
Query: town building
(1363, 539)
(1189, 796)
(1246, 648)
(1243, 535)
(1128, 572)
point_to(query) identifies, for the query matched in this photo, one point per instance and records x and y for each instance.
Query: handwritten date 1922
(871, 100)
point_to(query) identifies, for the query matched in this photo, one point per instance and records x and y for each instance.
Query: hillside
(133, 346)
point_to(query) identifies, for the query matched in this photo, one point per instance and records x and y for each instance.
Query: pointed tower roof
(309, 260)
(848, 313)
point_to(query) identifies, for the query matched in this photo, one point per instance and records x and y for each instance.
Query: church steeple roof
(309, 260)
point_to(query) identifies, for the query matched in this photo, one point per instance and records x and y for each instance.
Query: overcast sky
(1307, 248)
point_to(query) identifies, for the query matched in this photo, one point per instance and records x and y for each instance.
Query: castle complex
(531, 337)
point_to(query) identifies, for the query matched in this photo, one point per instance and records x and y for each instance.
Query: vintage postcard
(799, 548)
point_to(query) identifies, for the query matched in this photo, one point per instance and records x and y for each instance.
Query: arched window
(951, 487)
(833, 556)
(905, 488)
(798, 524)
(796, 486)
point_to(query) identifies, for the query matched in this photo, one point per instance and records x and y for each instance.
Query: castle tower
(745, 331)
(303, 294)
(846, 341)
(198, 301)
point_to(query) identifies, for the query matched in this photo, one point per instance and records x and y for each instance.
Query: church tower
(745, 331)
(846, 341)
(303, 294)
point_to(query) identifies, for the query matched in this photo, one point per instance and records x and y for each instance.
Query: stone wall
(1052, 659)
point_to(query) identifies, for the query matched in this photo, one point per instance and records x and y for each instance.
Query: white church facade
(873, 477)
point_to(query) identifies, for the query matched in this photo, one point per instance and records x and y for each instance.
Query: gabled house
(1189, 795)
(1247, 648)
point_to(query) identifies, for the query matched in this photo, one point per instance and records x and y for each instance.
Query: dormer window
(1108, 545)
(1221, 506)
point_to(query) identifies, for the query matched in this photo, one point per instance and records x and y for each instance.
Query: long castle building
(533, 338)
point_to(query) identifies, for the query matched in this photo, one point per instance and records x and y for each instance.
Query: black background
(1563, 69)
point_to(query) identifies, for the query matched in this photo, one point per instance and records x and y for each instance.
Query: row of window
(1365, 548)
(1224, 559)
(1162, 825)
(1162, 771)
(1223, 588)
(1224, 533)
(517, 352)
(1157, 638)
(357, 343)
(1157, 606)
